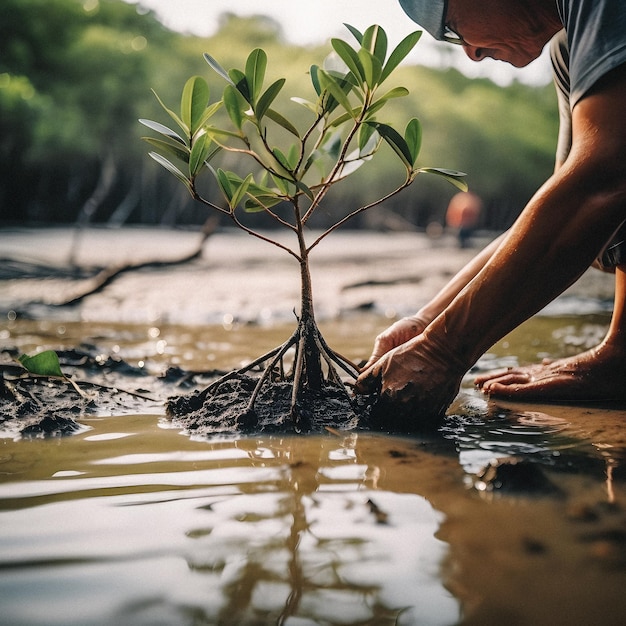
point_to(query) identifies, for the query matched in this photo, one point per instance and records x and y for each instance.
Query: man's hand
(398, 333)
(414, 377)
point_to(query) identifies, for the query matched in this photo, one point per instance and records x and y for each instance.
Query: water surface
(132, 522)
(506, 514)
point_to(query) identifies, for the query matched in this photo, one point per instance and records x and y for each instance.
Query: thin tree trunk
(313, 375)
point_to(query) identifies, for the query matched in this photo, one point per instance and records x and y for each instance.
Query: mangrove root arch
(315, 367)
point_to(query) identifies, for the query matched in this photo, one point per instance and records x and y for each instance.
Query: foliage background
(75, 75)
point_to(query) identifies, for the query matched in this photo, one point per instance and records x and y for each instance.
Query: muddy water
(131, 522)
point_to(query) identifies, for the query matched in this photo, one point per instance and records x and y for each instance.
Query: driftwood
(109, 274)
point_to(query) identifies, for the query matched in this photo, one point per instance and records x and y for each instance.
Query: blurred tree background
(75, 75)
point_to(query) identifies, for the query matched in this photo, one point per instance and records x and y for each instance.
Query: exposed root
(313, 374)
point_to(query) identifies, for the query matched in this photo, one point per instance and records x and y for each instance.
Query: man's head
(514, 31)
(429, 14)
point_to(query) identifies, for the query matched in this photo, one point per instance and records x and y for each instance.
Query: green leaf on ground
(43, 364)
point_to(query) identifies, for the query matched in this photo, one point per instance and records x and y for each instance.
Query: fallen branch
(109, 274)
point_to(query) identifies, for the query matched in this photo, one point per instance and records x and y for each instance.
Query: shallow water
(131, 522)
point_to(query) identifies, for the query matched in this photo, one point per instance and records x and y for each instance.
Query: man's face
(501, 29)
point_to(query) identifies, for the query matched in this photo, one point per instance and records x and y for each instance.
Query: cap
(429, 14)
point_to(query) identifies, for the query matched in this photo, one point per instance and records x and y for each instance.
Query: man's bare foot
(596, 375)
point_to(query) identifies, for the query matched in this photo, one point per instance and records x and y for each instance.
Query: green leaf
(328, 82)
(232, 103)
(373, 108)
(268, 97)
(413, 138)
(224, 184)
(170, 148)
(212, 152)
(173, 115)
(281, 183)
(396, 141)
(356, 33)
(332, 144)
(162, 130)
(282, 121)
(210, 110)
(240, 82)
(170, 167)
(350, 57)
(240, 192)
(400, 52)
(217, 67)
(329, 103)
(199, 152)
(314, 73)
(305, 103)
(375, 42)
(304, 189)
(260, 189)
(194, 101)
(258, 203)
(282, 159)
(293, 155)
(366, 131)
(256, 65)
(372, 67)
(221, 132)
(452, 176)
(396, 92)
(43, 364)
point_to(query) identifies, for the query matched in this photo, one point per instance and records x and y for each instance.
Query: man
(569, 223)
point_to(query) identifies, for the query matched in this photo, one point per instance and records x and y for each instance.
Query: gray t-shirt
(596, 36)
(591, 45)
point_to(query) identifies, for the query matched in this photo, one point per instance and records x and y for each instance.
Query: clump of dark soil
(32, 408)
(39, 406)
(36, 406)
(226, 409)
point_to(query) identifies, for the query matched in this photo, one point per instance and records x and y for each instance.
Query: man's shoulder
(596, 35)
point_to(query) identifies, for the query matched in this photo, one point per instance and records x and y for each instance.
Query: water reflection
(318, 546)
(129, 523)
(253, 531)
(560, 439)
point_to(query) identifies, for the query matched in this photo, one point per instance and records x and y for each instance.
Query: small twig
(89, 383)
(124, 391)
(246, 368)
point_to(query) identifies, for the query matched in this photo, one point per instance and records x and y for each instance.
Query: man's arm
(555, 239)
(559, 233)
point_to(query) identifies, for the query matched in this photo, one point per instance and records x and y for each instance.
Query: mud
(226, 411)
(34, 406)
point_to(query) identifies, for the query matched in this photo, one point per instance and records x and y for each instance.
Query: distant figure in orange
(463, 214)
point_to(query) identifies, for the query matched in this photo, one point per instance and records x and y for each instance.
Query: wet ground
(507, 513)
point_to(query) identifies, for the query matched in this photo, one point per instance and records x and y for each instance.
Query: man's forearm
(553, 242)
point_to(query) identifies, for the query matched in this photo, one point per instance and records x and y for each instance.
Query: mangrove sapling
(294, 168)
